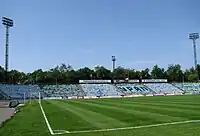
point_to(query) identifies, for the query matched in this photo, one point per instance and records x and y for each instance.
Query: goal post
(39, 95)
(24, 98)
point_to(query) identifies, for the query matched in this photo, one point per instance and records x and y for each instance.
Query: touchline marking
(136, 127)
(60, 132)
(46, 120)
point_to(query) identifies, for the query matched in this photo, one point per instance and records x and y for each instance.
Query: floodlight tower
(7, 23)
(113, 62)
(194, 37)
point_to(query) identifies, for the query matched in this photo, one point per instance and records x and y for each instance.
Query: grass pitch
(109, 117)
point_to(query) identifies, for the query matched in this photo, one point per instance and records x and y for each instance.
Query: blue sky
(82, 33)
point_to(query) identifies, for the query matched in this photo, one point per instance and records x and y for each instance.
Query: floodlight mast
(7, 23)
(113, 62)
(194, 37)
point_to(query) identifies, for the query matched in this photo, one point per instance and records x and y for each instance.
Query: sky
(86, 33)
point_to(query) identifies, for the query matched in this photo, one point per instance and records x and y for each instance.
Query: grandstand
(135, 89)
(105, 115)
(164, 88)
(189, 88)
(102, 88)
(4, 96)
(19, 91)
(63, 91)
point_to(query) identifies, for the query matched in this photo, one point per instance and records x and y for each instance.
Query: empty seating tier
(20, 91)
(192, 88)
(62, 90)
(164, 88)
(101, 90)
(130, 89)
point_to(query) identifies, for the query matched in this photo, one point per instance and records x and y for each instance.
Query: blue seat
(101, 90)
(190, 88)
(166, 88)
(19, 91)
(135, 89)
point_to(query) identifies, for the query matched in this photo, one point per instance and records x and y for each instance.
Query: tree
(102, 73)
(198, 70)
(192, 77)
(85, 73)
(2, 74)
(145, 74)
(158, 73)
(34, 76)
(132, 74)
(174, 73)
(120, 73)
(15, 77)
(65, 74)
(63, 68)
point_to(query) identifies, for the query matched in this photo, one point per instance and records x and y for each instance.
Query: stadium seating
(96, 90)
(3, 96)
(100, 90)
(20, 91)
(130, 89)
(192, 88)
(164, 88)
(62, 90)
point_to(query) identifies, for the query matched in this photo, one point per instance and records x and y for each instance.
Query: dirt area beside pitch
(4, 104)
(5, 111)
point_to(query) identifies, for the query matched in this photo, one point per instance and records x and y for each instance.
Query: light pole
(7, 23)
(194, 37)
(113, 62)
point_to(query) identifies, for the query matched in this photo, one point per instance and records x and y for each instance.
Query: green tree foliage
(65, 74)
(145, 74)
(2, 78)
(102, 73)
(174, 73)
(158, 73)
(120, 73)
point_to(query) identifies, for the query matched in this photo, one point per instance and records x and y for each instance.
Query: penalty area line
(136, 127)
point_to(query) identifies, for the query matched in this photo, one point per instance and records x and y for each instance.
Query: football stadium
(137, 96)
(102, 107)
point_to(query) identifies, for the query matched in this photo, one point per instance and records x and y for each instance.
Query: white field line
(60, 132)
(128, 128)
(46, 120)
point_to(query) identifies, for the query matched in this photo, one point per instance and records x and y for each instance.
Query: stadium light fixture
(194, 37)
(7, 23)
(113, 62)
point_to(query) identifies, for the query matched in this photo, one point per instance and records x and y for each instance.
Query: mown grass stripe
(131, 116)
(60, 118)
(144, 107)
(172, 99)
(30, 120)
(136, 127)
(97, 119)
(174, 112)
(160, 104)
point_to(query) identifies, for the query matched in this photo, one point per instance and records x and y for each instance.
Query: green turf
(90, 114)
